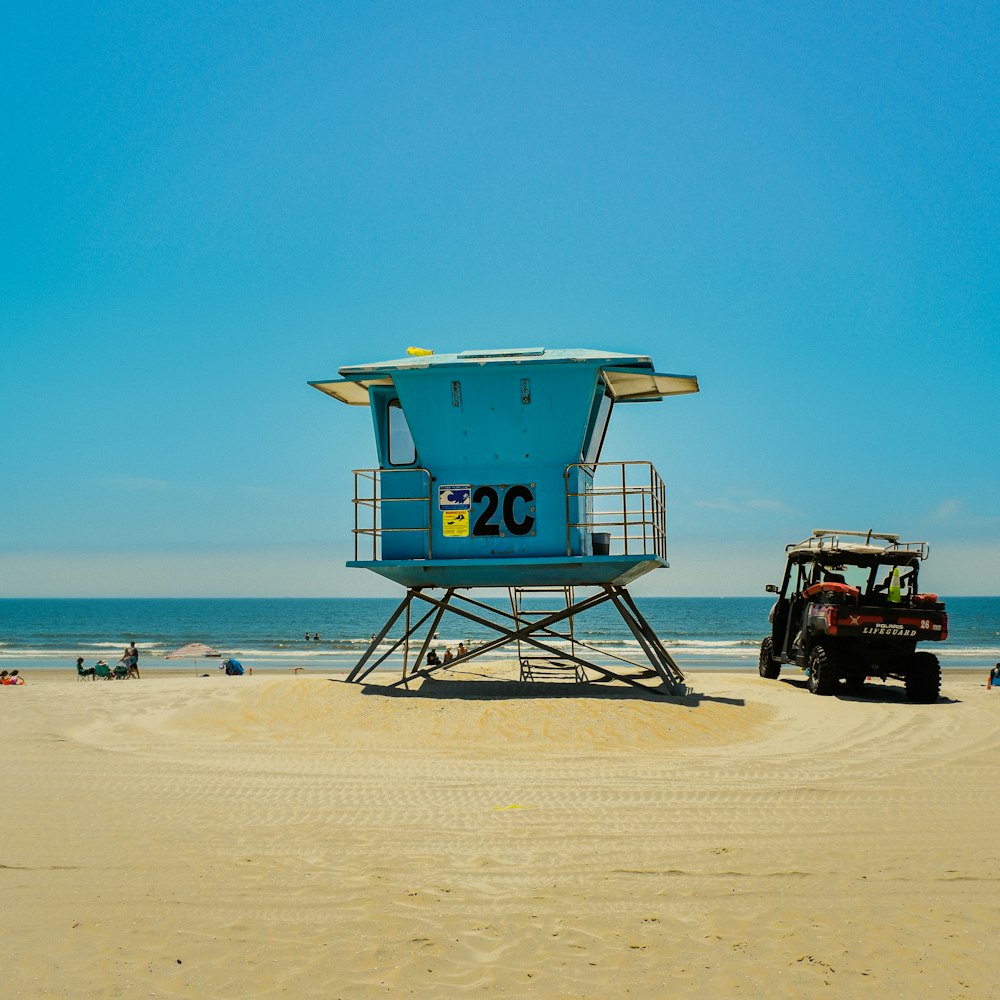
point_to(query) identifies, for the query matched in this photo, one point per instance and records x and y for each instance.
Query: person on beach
(3, 676)
(994, 678)
(462, 649)
(90, 672)
(432, 659)
(133, 662)
(124, 666)
(448, 654)
(13, 678)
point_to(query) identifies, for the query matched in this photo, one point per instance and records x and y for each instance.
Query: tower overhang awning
(632, 385)
(354, 392)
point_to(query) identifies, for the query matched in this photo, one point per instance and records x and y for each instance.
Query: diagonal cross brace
(663, 665)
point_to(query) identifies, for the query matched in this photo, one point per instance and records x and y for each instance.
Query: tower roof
(630, 377)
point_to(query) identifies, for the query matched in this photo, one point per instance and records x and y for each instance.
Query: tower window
(598, 428)
(402, 450)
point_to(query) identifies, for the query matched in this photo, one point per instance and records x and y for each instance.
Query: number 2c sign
(514, 504)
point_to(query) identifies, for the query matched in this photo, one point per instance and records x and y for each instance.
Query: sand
(294, 836)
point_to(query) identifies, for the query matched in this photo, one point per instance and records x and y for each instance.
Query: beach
(290, 835)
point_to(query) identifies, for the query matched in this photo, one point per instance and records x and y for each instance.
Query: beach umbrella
(193, 651)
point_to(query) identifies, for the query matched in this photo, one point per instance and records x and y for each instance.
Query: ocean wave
(968, 652)
(711, 645)
(343, 650)
(730, 652)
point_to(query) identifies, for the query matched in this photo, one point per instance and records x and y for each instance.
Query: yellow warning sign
(455, 523)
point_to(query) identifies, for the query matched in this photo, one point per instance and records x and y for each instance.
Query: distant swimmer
(315, 636)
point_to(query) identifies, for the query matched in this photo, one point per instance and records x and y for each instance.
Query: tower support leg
(663, 663)
(362, 668)
(539, 634)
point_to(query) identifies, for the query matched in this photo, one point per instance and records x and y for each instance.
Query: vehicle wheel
(822, 671)
(923, 679)
(768, 665)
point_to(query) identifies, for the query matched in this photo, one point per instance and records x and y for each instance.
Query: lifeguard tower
(489, 476)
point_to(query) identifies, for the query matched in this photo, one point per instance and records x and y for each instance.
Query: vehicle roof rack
(825, 540)
(867, 535)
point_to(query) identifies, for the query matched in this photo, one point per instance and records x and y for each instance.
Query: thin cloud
(774, 506)
(947, 510)
(719, 505)
(753, 506)
(137, 484)
(956, 514)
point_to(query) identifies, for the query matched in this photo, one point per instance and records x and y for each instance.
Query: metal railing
(626, 500)
(369, 502)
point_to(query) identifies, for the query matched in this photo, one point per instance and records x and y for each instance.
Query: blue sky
(206, 205)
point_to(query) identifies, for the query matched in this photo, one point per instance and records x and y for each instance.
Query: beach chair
(85, 673)
(121, 671)
(103, 671)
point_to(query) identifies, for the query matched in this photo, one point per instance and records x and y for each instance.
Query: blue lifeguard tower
(489, 476)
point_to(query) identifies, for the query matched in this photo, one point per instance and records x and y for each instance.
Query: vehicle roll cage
(809, 566)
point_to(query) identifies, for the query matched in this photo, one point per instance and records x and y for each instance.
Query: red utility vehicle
(849, 608)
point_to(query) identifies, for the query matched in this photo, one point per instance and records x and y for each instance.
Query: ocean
(699, 632)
